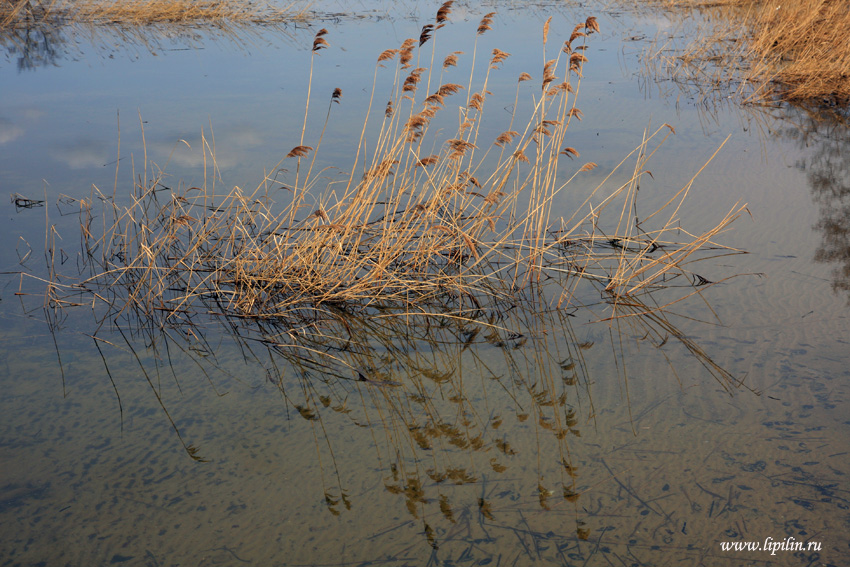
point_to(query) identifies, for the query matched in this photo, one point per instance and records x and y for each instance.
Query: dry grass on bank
(23, 13)
(792, 50)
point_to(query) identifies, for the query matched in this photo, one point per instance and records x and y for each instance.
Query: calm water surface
(471, 450)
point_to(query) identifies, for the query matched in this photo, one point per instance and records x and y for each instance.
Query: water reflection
(820, 128)
(33, 45)
(824, 138)
(821, 134)
(43, 35)
(469, 413)
(460, 425)
(466, 399)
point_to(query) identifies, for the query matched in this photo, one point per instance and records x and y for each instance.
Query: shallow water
(663, 465)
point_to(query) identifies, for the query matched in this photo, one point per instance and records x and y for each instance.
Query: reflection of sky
(81, 154)
(251, 100)
(9, 131)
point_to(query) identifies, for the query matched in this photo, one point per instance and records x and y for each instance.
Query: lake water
(581, 445)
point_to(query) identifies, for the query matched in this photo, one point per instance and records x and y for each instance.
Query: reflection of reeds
(427, 298)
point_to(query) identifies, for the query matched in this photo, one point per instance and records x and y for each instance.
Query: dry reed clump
(26, 13)
(795, 50)
(453, 232)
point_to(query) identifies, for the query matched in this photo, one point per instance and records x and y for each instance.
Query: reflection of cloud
(32, 113)
(230, 144)
(82, 154)
(652, 21)
(246, 137)
(9, 131)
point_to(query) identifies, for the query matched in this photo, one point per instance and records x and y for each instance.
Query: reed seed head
(319, 42)
(406, 52)
(457, 148)
(387, 55)
(577, 58)
(486, 22)
(548, 73)
(434, 99)
(570, 152)
(449, 89)
(506, 138)
(425, 35)
(444, 11)
(299, 151)
(412, 80)
(476, 101)
(426, 161)
(451, 59)
(498, 57)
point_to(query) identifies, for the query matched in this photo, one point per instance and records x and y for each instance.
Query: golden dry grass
(793, 50)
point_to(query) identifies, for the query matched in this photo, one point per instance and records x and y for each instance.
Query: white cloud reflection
(9, 132)
(82, 154)
(230, 143)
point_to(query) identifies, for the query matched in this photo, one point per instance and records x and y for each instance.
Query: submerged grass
(795, 50)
